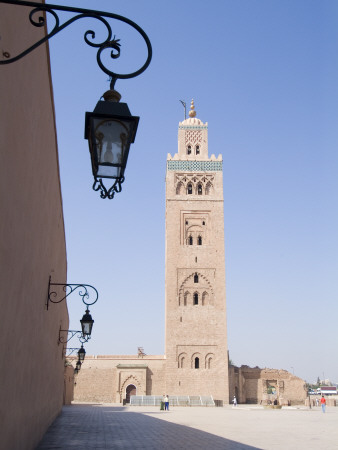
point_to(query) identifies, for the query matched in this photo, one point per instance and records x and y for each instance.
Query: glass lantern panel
(86, 327)
(81, 354)
(109, 171)
(111, 138)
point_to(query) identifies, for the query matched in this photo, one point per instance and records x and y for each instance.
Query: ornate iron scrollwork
(109, 43)
(84, 291)
(107, 193)
(72, 333)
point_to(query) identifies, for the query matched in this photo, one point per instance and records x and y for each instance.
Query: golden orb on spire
(192, 112)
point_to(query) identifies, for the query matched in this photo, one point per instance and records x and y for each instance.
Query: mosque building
(195, 364)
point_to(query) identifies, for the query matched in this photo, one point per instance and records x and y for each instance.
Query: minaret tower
(196, 338)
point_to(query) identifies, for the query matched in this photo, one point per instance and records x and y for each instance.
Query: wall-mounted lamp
(110, 128)
(81, 353)
(85, 291)
(88, 293)
(78, 365)
(87, 324)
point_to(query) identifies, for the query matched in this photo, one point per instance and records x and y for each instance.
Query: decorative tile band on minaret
(196, 166)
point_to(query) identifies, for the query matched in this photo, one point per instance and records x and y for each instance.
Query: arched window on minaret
(181, 360)
(199, 189)
(197, 149)
(209, 359)
(199, 240)
(204, 298)
(186, 298)
(196, 278)
(190, 240)
(195, 298)
(189, 188)
(189, 150)
(179, 188)
(197, 363)
(208, 188)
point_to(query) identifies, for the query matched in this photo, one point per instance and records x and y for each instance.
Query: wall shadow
(106, 427)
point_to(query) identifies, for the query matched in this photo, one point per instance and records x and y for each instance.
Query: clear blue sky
(264, 75)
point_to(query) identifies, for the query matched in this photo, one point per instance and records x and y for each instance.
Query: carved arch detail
(203, 288)
(132, 379)
(209, 359)
(208, 188)
(200, 276)
(193, 360)
(179, 188)
(182, 360)
(205, 298)
(206, 181)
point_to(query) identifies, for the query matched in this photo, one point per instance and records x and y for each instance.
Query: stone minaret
(196, 338)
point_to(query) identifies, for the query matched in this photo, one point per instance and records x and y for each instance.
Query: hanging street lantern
(81, 353)
(110, 130)
(87, 323)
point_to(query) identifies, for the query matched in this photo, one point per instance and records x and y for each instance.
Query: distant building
(328, 390)
(326, 382)
(264, 386)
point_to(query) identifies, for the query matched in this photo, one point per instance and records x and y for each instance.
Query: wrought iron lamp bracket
(71, 350)
(72, 333)
(109, 43)
(84, 293)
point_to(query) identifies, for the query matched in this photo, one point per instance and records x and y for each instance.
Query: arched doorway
(131, 390)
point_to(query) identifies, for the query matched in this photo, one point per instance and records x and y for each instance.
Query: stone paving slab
(243, 428)
(291, 429)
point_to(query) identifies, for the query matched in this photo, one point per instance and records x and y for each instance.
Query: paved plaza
(94, 426)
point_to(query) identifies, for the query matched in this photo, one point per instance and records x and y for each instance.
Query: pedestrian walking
(323, 403)
(166, 403)
(162, 403)
(234, 401)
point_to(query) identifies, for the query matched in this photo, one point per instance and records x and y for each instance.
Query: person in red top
(323, 403)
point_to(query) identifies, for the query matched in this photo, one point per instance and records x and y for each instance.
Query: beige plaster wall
(101, 380)
(68, 390)
(32, 240)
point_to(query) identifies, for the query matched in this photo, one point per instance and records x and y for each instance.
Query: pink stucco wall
(32, 240)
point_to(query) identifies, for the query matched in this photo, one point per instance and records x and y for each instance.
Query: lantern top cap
(87, 315)
(112, 96)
